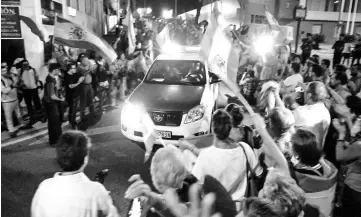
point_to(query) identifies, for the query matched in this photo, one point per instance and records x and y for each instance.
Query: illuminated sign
(10, 22)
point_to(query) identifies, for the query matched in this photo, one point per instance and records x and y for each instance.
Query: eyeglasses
(4, 67)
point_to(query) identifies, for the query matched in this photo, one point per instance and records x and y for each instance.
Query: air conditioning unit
(71, 11)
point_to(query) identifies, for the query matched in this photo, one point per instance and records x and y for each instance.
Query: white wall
(329, 16)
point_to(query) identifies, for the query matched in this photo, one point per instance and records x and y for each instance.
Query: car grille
(166, 118)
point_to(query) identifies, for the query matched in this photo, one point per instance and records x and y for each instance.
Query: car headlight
(131, 113)
(195, 114)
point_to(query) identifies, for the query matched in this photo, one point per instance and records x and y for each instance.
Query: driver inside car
(194, 74)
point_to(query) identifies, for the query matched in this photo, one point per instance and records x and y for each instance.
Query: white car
(178, 93)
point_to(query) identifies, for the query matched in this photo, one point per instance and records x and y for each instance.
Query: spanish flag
(129, 21)
(35, 28)
(73, 35)
(273, 23)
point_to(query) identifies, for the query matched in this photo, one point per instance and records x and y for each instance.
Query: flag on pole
(73, 35)
(207, 40)
(273, 23)
(131, 32)
(163, 37)
(35, 28)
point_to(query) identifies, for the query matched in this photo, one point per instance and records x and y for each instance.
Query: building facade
(322, 15)
(87, 13)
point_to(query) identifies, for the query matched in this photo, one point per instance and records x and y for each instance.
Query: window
(259, 19)
(317, 29)
(73, 4)
(177, 72)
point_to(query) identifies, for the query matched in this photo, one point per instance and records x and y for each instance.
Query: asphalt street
(25, 164)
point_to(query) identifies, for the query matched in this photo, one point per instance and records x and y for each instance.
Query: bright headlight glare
(171, 47)
(131, 114)
(263, 44)
(195, 114)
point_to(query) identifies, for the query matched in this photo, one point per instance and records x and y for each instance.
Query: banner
(73, 35)
(10, 22)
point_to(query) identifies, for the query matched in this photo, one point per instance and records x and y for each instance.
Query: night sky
(158, 5)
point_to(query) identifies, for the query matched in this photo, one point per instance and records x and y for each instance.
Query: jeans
(54, 122)
(32, 96)
(9, 108)
(351, 202)
(86, 99)
(73, 104)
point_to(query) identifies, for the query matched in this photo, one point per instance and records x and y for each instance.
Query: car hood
(161, 97)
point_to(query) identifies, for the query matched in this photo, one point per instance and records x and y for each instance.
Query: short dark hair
(317, 90)
(53, 66)
(309, 34)
(222, 124)
(342, 77)
(326, 62)
(340, 67)
(236, 113)
(354, 103)
(318, 70)
(305, 146)
(296, 67)
(254, 206)
(342, 35)
(72, 148)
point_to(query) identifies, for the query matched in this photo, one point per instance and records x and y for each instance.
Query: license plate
(165, 134)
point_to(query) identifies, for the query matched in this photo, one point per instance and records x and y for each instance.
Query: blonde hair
(168, 168)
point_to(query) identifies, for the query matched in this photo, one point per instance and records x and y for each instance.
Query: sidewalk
(325, 52)
(39, 128)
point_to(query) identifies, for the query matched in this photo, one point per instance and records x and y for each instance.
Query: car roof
(187, 53)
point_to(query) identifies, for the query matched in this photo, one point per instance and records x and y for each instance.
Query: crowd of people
(76, 79)
(299, 156)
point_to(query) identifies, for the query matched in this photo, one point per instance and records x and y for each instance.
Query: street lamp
(144, 11)
(167, 14)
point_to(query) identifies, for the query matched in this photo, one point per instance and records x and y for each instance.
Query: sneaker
(14, 134)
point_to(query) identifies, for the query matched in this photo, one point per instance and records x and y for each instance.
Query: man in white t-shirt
(226, 165)
(70, 193)
(292, 81)
(314, 115)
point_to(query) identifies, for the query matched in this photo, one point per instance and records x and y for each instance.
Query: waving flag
(35, 28)
(73, 35)
(272, 21)
(163, 37)
(207, 40)
(131, 32)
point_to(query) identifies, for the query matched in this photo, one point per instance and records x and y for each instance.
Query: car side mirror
(215, 79)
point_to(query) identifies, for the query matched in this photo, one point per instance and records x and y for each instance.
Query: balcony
(329, 16)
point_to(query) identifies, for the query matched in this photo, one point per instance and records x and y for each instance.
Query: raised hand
(198, 208)
(137, 189)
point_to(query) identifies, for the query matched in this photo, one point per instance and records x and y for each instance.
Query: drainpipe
(349, 16)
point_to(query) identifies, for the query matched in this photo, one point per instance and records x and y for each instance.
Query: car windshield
(178, 72)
